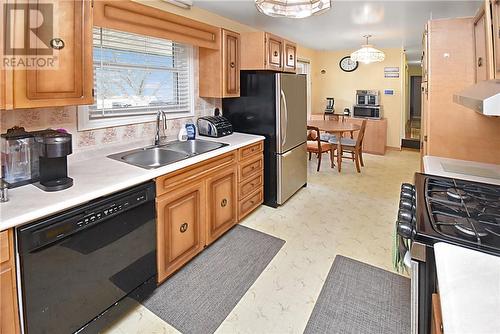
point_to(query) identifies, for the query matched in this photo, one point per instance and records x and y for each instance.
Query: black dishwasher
(77, 264)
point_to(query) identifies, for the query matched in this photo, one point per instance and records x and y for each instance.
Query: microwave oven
(374, 112)
(367, 97)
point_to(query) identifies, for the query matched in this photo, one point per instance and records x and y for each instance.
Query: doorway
(304, 67)
(413, 123)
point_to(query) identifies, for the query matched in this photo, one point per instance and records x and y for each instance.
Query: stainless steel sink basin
(149, 158)
(168, 153)
(193, 147)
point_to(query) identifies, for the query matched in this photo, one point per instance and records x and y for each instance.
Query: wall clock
(348, 65)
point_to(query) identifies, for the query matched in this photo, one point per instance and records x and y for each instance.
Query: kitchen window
(135, 76)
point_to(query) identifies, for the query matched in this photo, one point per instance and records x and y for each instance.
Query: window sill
(84, 123)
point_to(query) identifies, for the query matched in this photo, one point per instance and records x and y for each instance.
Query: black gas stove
(440, 209)
(461, 212)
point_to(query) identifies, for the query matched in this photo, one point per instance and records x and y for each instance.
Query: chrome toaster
(214, 126)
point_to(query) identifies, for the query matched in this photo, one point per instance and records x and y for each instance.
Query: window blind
(138, 75)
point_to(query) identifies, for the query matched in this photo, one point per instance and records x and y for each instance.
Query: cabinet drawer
(251, 150)
(4, 247)
(251, 203)
(251, 167)
(172, 180)
(251, 185)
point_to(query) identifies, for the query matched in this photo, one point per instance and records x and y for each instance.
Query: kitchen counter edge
(40, 204)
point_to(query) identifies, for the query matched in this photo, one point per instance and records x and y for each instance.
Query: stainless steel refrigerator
(274, 105)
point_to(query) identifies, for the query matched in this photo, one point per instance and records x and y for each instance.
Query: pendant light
(296, 9)
(368, 54)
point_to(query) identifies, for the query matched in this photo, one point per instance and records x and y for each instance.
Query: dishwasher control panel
(63, 225)
(113, 209)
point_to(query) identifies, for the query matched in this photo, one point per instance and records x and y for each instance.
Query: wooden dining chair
(352, 146)
(316, 146)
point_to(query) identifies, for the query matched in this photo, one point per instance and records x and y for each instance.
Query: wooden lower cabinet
(375, 139)
(250, 179)
(180, 227)
(9, 315)
(198, 204)
(437, 317)
(222, 203)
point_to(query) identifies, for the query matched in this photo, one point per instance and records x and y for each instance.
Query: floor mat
(360, 298)
(200, 296)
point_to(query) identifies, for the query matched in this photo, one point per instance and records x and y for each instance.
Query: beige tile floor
(349, 214)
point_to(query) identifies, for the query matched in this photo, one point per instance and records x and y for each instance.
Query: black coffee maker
(54, 148)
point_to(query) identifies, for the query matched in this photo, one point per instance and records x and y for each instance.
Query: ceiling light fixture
(368, 54)
(296, 9)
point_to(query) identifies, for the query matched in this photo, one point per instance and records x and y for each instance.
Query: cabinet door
(290, 55)
(481, 51)
(424, 127)
(496, 35)
(71, 82)
(231, 64)
(9, 320)
(274, 50)
(180, 222)
(222, 203)
(425, 55)
(9, 317)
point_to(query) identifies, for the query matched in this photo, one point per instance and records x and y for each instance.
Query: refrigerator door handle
(284, 125)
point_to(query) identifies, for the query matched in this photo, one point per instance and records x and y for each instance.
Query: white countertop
(469, 288)
(462, 169)
(94, 177)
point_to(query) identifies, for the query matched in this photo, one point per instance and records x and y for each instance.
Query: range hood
(483, 97)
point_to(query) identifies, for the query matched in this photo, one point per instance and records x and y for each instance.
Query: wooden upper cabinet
(222, 202)
(495, 11)
(265, 51)
(180, 227)
(220, 69)
(274, 51)
(483, 44)
(9, 315)
(480, 44)
(231, 63)
(71, 82)
(290, 57)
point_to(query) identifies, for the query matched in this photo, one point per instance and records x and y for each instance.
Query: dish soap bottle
(191, 131)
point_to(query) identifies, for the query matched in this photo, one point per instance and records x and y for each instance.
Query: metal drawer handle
(291, 57)
(232, 64)
(223, 203)
(479, 62)
(275, 53)
(184, 227)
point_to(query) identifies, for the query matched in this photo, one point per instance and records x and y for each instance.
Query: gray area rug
(200, 296)
(359, 298)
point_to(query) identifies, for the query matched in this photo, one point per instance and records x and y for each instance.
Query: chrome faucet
(159, 115)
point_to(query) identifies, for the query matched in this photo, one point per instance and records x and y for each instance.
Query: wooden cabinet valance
(140, 19)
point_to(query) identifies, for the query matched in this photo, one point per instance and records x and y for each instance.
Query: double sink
(157, 156)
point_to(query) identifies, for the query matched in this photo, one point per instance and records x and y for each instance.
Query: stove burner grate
(464, 211)
(457, 194)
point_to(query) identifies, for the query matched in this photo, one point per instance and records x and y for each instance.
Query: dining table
(337, 128)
